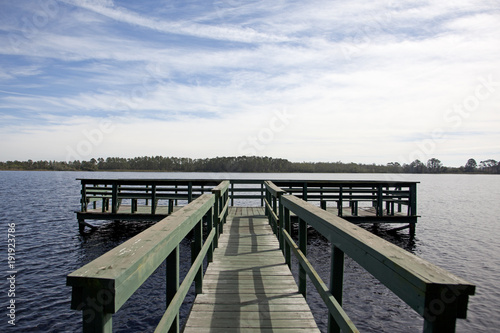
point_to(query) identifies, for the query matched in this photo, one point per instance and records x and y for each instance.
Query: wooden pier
(155, 199)
(248, 285)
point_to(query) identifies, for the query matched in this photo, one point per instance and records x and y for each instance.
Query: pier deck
(248, 286)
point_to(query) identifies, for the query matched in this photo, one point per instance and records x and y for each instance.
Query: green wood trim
(172, 277)
(334, 308)
(173, 309)
(122, 270)
(221, 188)
(414, 280)
(273, 189)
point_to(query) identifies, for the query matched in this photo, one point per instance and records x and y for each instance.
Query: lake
(459, 230)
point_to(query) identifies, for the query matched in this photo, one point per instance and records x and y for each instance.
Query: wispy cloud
(368, 82)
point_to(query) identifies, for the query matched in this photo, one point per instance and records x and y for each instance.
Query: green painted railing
(437, 295)
(101, 287)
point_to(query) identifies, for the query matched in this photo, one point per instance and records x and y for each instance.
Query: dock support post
(380, 205)
(153, 199)
(281, 218)
(210, 226)
(286, 227)
(303, 249)
(262, 194)
(340, 202)
(336, 283)
(96, 321)
(232, 194)
(190, 192)
(114, 198)
(195, 250)
(81, 226)
(173, 283)
(216, 219)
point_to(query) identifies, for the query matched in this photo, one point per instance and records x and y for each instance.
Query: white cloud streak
(371, 80)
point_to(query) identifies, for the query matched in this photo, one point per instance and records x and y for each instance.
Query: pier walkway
(248, 287)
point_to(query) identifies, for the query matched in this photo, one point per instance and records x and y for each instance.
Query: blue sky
(350, 81)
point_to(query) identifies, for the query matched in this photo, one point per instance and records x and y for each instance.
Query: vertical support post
(413, 200)
(232, 194)
(210, 225)
(147, 191)
(176, 192)
(336, 283)
(442, 319)
(190, 192)
(170, 206)
(195, 250)
(173, 283)
(380, 205)
(275, 211)
(153, 199)
(281, 218)
(114, 198)
(262, 194)
(322, 204)
(84, 197)
(340, 204)
(100, 322)
(304, 192)
(399, 199)
(216, 213)
(303, 249)
(288, 257)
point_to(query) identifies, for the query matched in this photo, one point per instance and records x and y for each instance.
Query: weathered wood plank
(248, 286)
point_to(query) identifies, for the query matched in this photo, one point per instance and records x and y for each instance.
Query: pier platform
(248, 287)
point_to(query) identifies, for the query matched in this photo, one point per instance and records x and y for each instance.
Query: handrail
(437, 295)
(221, 207)
(101, 287)
(390, 193)
(271, 201)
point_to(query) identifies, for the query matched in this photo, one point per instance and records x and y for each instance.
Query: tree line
(248, 164)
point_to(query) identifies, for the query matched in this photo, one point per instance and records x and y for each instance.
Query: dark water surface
(459, 230)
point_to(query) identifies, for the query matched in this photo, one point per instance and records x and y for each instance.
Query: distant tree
(417, 167)
(434, 165)
(471, 165)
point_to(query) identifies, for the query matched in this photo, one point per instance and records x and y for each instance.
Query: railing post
(195, 250)
(172, 275)
(341, 204)
(380, 205)
(336, 283)
(190, 192)
(288, 258)
(210, 225)
(281, 218)
(262, 194)
(153, 199)
(84, 197)
(232, 194)
(303, 249)
(95, 320)
(304, 192)
(114, 198)
(413, 200)
(216, 213)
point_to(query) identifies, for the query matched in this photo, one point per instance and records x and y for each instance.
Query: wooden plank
(248, 286)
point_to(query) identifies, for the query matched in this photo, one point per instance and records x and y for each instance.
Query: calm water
(458, 231)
